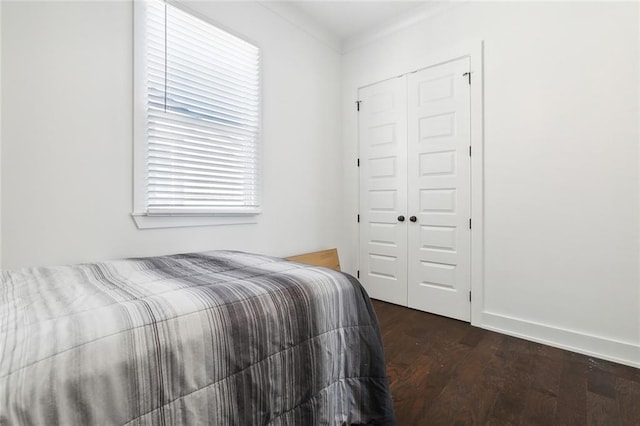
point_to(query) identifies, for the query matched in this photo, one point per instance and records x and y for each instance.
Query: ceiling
(349, 18)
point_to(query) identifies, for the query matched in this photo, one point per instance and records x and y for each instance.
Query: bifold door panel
(439, 183)
(415, 189)
(383, 191)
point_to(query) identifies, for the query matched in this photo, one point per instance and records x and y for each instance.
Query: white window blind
(202, 117)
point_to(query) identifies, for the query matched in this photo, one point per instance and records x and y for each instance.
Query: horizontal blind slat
(242, 96)
(225, 71)
(201, 127)
(235, 157)
(190, 28)
(190, 183)
(159, 168)
(182, 26)
(174, 157)
(246, 101)
(203, 211)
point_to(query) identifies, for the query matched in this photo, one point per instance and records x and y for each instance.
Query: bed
(218, 337)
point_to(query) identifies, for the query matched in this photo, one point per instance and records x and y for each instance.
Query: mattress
(218, 337)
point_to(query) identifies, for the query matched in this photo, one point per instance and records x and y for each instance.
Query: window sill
(144, 221)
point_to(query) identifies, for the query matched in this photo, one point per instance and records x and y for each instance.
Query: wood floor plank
(539, 408)
(456, 403)
(618, 370)
(542, 396)
(628, 397)
(572, 397)
(473, 336)
(547, 374)
(602, 411)
(601, 382)
(446, 372)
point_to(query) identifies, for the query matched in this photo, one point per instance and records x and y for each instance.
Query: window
(196, 118)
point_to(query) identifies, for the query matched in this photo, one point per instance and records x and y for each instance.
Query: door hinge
(358, 105)
(469, 150)
(469, 223)
(358, 162)
(358, 273)
(469, 296)
(468, 75)
(358, 218)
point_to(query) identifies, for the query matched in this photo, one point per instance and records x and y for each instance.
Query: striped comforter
(210, 338)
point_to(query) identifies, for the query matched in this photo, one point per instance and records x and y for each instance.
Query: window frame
(139, 214)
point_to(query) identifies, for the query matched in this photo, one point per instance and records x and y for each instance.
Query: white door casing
(382, 130)
(439, 182)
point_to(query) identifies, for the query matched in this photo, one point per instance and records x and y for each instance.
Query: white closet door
(383, 189)
(439, 190)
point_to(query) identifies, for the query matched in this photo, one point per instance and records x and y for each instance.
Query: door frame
(474, 50)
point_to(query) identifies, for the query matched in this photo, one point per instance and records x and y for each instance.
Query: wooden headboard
(326, 258)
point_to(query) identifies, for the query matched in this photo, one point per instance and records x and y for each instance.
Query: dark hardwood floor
(446, 372)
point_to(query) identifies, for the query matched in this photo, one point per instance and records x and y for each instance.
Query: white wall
(67, 137)
(561, 163)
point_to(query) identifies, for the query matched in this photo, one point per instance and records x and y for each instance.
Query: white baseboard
(599, 347)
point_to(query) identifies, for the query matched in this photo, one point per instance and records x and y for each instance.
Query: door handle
(400, 218)
(413, 218)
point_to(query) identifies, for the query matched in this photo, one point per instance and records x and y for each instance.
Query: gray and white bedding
(207, 338)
